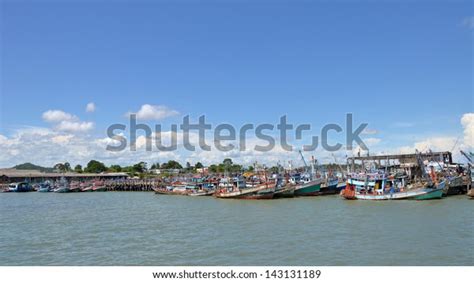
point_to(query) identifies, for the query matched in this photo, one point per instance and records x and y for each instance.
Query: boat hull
(259, 193)
(285, 192)
(99, 189)
(416, 194)
(332, 189)
(62, 190)
(44, 190)
(201, 194)
(309, 189)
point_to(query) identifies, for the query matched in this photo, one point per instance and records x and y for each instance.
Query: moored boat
(378, 186)
(99, 186)
(75, 187)
(239, 190)
(287, 191)
(201, 193)
(44, 187)
(310, 188)
(19, 187)
(330, 186)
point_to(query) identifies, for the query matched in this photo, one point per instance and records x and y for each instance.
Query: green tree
(78, 168)
(95, 167)
(171, 165)
(198, 165)
(59, 167)
(115, 168)
(67, 166)
(213, 168)
(140, 167)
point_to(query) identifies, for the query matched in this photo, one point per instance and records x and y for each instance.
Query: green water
(120, 228)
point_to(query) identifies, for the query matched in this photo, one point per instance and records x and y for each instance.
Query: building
(15, 175)
(408, 162)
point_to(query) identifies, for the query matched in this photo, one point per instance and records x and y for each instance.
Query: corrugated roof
(36, 173)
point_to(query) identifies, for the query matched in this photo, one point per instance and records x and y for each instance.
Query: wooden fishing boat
(310, 188)
(378, 186)
(170, 190)
(75, 187)
(88, 189)
(201, 193)
(287, 191)
(455, 185)
(331, 187)
(99, 186)
(240, 191)
(414, 194)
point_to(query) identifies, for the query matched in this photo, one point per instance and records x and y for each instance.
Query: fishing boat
(176, 188)
(283, 189)
(99, 186)
(331, 186)
(45, 187)
(240, 190)
(287, 191)
(203, 189)
(306, 186)
(75, 187)
(87, 189)
(379, 186)
(19, 187)
(201, 193)
(62, 186)
(454, 186)
(470, 177)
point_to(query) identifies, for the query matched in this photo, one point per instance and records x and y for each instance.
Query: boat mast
(304, 161)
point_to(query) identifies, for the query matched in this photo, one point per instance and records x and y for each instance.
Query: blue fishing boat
(45, 187)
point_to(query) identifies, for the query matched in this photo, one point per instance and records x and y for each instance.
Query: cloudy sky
(69, 71)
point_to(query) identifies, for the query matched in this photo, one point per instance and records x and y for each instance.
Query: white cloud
(66, 122)
(58, 116)
(47, 147)
(445, 143)
(62, 139)
(74, 126)
(90, 108)
(154, 112)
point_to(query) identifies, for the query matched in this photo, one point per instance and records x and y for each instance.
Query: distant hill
(30, 166)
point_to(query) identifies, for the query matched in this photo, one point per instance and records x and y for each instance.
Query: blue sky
(404, 67)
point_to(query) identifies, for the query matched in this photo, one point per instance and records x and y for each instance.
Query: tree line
(142, 168)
